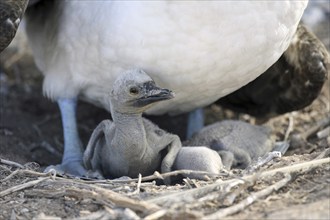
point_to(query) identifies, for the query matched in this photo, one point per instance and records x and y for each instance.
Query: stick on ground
(11, 163)
(192, 194)
(29, 172)
(249, 200)
(22, 186)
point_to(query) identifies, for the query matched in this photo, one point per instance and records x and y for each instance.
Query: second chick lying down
(237, 142)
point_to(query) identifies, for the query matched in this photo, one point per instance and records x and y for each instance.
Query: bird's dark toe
(74, 168)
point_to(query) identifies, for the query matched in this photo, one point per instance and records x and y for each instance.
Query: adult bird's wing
(290, 84)
(11, 13)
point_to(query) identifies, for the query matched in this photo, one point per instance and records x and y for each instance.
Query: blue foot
(195, 122)
(72, 157)
(71, 168)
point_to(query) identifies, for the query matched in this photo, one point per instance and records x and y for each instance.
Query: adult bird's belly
(200, 50)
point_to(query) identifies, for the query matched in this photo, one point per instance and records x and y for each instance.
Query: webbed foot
(74, 168)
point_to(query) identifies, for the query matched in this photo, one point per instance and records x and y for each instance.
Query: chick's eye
(134, 91)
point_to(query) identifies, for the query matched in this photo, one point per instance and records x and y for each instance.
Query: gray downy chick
(131, 144)
(238, 143)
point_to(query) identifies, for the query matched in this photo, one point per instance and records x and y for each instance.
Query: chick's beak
(154, 94)
(159, 94)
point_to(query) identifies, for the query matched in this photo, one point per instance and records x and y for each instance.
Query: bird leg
(195, 122)
(72, 156)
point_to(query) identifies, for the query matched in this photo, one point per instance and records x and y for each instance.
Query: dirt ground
(31, 135)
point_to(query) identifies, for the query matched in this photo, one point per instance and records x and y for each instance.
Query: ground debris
(218, 198)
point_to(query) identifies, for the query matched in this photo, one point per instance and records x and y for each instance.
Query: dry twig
(137, 191)
(101, 195)
(22, 186)
(156, 215)
(192, 194)
(30, 172)
(303, 136)
(11, 163)
(262, 161)
(323, 154)
(233, 194)
(94, 192)
(323, 133)
(249, 200)
(124, 201)
(156, 175)
(289, 129)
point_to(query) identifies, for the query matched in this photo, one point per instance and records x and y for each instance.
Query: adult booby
(131, 144)
(203, 50)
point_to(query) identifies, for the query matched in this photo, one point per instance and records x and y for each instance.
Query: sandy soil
(31, 135)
